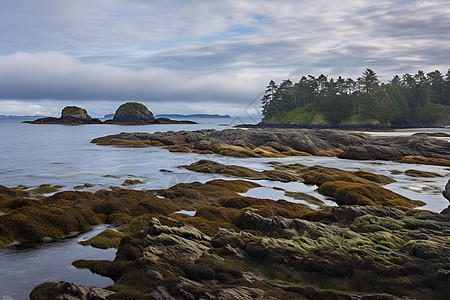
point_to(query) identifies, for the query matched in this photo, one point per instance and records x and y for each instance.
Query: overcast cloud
(207, 55)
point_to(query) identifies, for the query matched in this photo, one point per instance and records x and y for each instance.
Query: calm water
(21, 270)
(58, 154)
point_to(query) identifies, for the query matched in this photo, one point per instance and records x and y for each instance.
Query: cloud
(8, 107)
(203, 51)
(56, 76)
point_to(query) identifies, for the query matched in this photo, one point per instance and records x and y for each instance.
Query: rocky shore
(375, 244)
(276, 142)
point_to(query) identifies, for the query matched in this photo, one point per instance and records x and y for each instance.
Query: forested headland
(408, 100)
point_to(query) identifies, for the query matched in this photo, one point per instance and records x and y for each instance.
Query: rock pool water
(22, 269)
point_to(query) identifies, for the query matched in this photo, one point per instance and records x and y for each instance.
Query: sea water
(35, 154)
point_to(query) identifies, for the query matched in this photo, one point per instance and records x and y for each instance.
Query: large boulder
(133, 112)
(75, 112)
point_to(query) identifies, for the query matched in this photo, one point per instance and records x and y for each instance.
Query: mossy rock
(129, 182)
(418, 173)
(75, 112)
(133, 112)
(354, 193)
(45, 189)
(86, 185)
(108, 238)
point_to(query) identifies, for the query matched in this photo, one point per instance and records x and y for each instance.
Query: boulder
(133, 112)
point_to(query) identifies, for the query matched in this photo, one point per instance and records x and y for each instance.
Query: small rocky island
(130, 113)
(70, 115)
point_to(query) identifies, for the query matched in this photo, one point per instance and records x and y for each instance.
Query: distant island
(193, 116)
(420, 100)
(130, 113)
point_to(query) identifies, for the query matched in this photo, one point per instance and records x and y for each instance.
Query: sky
(195, 56)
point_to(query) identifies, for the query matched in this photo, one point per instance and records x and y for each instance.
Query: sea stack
(75, 112)
(70, 115)
(133, 112)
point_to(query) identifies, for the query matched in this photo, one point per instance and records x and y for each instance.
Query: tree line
(406, 99)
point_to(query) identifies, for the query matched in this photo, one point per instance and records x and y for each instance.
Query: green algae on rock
(108, 238)
(418, 173)
(366, 253)
(291, 172)
(354, 193)
(129, 182)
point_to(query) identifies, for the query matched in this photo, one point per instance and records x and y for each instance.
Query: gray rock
(446, 191)
(160, 293)
(65, 290)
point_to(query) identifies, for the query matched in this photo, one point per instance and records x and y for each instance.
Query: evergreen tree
(269, 95)
(404, 100)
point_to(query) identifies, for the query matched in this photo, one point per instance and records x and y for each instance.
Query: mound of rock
(70, 115)
(134, 113)
(75, 112)
(130, 113)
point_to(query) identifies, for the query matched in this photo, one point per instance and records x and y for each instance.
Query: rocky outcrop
(290, 172)
(70, 115)
(75, 112)
(133, 113)
(364, 253)
(291, 142)
(130, 113)
(26, 220)
(243, 247)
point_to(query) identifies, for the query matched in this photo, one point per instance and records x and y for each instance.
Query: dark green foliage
(418, 99)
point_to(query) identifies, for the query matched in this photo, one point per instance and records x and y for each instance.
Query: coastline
(225, 214)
